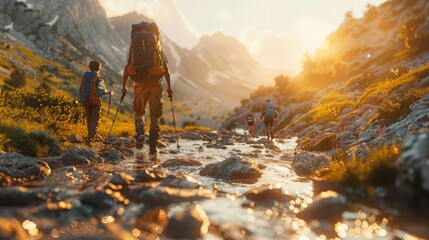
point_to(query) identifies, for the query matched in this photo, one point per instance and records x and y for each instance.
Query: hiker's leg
(267, 128)
(88, 117)
(139, 108)
(94, 121)
(155, 108)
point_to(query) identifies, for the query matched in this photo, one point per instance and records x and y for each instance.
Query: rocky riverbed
(217, 185)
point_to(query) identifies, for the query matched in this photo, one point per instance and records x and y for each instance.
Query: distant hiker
(269, 113)
(147, 64)
(92, 88)
(251, 124)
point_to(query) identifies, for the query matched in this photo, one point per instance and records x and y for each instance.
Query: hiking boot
(140, 141)
(272, 137)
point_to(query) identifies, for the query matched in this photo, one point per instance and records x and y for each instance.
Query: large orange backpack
(146, 56)
(89, 91)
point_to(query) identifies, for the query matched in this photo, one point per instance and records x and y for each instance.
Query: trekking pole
(174, 121)
(113, 122)
(108, 113)
(108, 109)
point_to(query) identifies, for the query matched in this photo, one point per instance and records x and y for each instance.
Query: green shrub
(379, 90)
(378, 169)
(3, 141)
(395, 106)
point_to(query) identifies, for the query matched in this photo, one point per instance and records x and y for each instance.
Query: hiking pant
(93, 114)
(151, 95)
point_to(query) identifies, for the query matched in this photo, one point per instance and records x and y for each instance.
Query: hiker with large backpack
(146, 65)
(269, 113)
(92, 88)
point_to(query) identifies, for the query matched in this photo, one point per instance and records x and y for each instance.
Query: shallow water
(232, 213)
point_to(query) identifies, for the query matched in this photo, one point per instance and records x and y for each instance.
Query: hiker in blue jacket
(269, 113)
(92, 88)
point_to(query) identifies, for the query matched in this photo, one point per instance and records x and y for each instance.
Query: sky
(266, 27)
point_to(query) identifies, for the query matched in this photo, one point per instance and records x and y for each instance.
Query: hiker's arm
(124, 80)
(263, 113)
(167, 78)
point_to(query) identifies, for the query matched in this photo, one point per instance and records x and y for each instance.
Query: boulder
(183, 161)
(98, 200)
(189, 223)
(235, 169)
(268, 193)
(182, 181)
(325, 142)
(79, 155)
(305, 163)
(150, 175)
(12, 229)
(123, 142)
(167, 195)
(120, 182)
(327, 206)
(413, 163)
(346, 138)
(19, 196)
(116, 155)
(16, 168)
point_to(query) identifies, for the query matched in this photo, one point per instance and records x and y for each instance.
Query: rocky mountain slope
(215, 74)
(370, 85)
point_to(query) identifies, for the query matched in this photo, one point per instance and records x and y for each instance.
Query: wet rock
(126, 151)
(414, 160)
(189, 223)
(79, 155)
(257, 146)
(150, 221)
(116, 155)
(183, 161)
(182, 181)
(168, 195)
(230, 231)
(201, 149)
(326, 142)
(305, 163)
(327, 205)
(123, 142)
(18, 196)
(112, 138)
(192, 136)
(235, 169)
(12, 229)
(118, 232)
(16, 168)
(120, 181)
(261, 166)
(268, 193)
(75, 138)
(97, 200)
(149, 175)
(273, 147)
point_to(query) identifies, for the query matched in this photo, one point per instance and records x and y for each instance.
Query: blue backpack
(270, 110)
